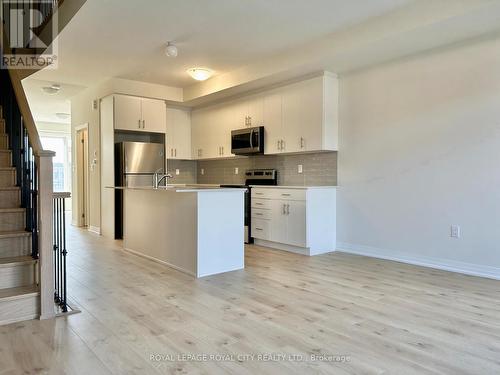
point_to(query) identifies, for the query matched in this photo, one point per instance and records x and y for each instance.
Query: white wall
(419, 151)
(83, 113)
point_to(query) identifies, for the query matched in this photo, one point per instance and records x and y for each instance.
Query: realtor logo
(28, 34)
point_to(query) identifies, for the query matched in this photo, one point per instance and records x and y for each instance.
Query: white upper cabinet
(273, 123)
(139, 114)
(178, 134)
(300, 117)
(309, 117)
(127, 112)
(154, 114)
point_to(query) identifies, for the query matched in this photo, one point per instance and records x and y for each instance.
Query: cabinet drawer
(261, 203)
(260, 229)
(260, 213)
(277, 193)
(261, 193)
(289, 194)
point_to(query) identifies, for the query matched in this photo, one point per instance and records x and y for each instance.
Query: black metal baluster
(64, 252)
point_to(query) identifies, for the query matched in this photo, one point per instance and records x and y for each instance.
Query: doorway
(82, 175)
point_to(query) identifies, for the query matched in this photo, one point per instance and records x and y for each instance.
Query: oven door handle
(251, 138)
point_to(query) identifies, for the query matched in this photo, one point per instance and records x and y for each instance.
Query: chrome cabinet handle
(139, 124)
(222, 150)
(258, 228)
(259, 214)
(175, 152)
(278, 145)
(144, 124)
(285, 194)
(284, 209)
(288, 209)
(302, 141)
(259, 193)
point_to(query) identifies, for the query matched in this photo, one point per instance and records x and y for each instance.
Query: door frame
(82, 200)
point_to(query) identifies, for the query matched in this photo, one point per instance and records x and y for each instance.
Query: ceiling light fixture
(200, 74)
(51, 90)
(171, 50)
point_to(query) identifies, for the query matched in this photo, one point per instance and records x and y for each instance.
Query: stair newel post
(45, 230)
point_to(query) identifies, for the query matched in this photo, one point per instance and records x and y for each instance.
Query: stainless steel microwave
(248, 141)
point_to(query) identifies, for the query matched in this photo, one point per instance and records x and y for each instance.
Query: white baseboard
(156, 260)
(442, 264)
(96, 230)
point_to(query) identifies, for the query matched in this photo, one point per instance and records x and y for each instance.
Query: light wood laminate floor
(387, 317)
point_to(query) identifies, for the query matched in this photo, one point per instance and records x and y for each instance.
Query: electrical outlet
(455, 231)
(202, 171)
(236, 170)
(299, 168)
(177, 172)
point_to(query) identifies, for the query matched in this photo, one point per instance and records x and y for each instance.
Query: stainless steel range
(254, 177)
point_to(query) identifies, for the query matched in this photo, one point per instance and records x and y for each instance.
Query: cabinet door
(255, 111)
(278, 223)
(273, 124)
(154, 115)
(303, 115)
(205, 134)
(178, 134)
(296, 223)
(127, 113)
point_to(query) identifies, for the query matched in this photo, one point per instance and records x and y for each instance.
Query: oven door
(247, 141)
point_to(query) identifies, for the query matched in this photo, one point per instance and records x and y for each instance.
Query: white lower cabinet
(301, 220)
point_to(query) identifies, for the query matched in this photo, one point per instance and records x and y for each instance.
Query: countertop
(292, 187)
(181, 188)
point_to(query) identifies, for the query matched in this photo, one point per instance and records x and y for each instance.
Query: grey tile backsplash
(318, 169)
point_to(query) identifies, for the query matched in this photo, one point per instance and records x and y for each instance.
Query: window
(61, 161)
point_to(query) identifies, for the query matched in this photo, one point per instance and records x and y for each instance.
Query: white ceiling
(246, 42)
(43, 106)
(126, 38)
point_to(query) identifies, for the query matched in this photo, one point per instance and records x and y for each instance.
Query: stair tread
(19, 292)
(23, 259)
(14, 233)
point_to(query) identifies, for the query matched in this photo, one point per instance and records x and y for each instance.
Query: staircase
(19, 291)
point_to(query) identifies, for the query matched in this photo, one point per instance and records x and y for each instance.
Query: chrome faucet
(157, 179)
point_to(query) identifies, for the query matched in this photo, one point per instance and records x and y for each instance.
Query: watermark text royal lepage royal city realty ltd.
(29, 31)
(257, 357)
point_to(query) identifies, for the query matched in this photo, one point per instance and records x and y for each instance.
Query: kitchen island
(196, 230)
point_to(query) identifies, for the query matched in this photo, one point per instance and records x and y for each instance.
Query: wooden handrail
(24, 108)
(22, 102)
(61, 194)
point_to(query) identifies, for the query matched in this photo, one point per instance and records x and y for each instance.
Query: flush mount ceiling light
(200, 74)
(63, 116)
(171, 50)
(51, 90)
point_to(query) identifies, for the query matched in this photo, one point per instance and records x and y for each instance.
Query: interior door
(127, 111)
(154, 115)
(82, 171)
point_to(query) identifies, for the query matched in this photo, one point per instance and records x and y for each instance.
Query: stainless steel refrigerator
(135, 165)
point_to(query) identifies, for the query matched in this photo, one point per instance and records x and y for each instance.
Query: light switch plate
(202, 171)
(299, 168)
(455, 231)
(177, 172)
(236, 170)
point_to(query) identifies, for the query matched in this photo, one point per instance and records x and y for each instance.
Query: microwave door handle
(251, 138)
